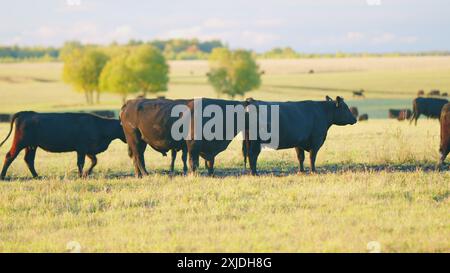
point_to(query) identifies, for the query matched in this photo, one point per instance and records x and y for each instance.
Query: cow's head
(342, 114)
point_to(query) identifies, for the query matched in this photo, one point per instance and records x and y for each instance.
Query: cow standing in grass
(85, 134)
(303, 125)
(149, 121)
(430, 107)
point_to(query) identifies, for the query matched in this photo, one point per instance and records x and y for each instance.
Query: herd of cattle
(303, 125)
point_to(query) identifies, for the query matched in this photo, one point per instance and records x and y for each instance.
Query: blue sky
(307, 26)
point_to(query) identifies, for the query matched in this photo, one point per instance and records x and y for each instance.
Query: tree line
(142, 69)
(191, 49)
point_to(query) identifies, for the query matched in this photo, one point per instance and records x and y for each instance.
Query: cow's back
(61, 132)
(430, 107)
(298, 121)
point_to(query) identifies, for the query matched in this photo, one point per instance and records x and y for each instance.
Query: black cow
(430, 107)
(86, 134)
(303, 125)
(209, 149)
(149, 121)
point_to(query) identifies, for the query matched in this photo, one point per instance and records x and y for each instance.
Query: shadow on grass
(290, 169)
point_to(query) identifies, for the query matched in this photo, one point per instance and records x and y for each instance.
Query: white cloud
(269, 22)
(219, 23)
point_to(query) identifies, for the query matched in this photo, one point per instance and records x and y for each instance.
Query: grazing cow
(354, 111)
(420, 93)
(359, 93)
(209, 149)
(434, 93)
(149, 121)
(86, 134)
(399, 113)
(444, 148)
(430, 107)
(303, 125)
(363, 117)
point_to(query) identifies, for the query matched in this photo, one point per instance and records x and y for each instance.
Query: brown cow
(149, 121)
(445, 133)
(404, 114)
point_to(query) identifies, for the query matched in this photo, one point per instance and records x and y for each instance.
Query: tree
(233, 72)
(82, 68)
(117, 77)
(150, 68)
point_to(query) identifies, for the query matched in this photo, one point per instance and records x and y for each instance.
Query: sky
(316, 26)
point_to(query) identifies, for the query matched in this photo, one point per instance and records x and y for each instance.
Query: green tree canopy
(233, 72)
(150, 67)
(117, 77)
(82, 68)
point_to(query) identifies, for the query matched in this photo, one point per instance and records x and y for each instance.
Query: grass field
(376, 182)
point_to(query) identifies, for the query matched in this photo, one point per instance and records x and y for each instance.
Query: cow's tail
(13, 119)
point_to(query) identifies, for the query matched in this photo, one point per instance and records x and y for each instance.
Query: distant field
(38, 86)
(377, 180)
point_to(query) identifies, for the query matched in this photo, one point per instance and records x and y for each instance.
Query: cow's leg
(10, 156)
(184, 159)
(415, 117)
(172, 162)
(312, 159)
(136, 149)
(30, 154)
(93, 159)
(442, 158)
(301, 158)
(210, 165)
(194, 155)
(141, 162)
(253, 153)
(81, 157)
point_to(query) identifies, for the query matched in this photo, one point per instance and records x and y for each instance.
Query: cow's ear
(328, 98)
(338, 101)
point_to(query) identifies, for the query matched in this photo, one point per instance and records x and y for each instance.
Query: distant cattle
(420, 93)
(445, 94)
(5, 117)
(444, 148)
(86, 134)
(359, 93)
(400, 114)
(149, 121)
(303, 125)
(404, 114)
(363, 117)
(354, 111)
(434, 93)
(430, 107)
(311, 71)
